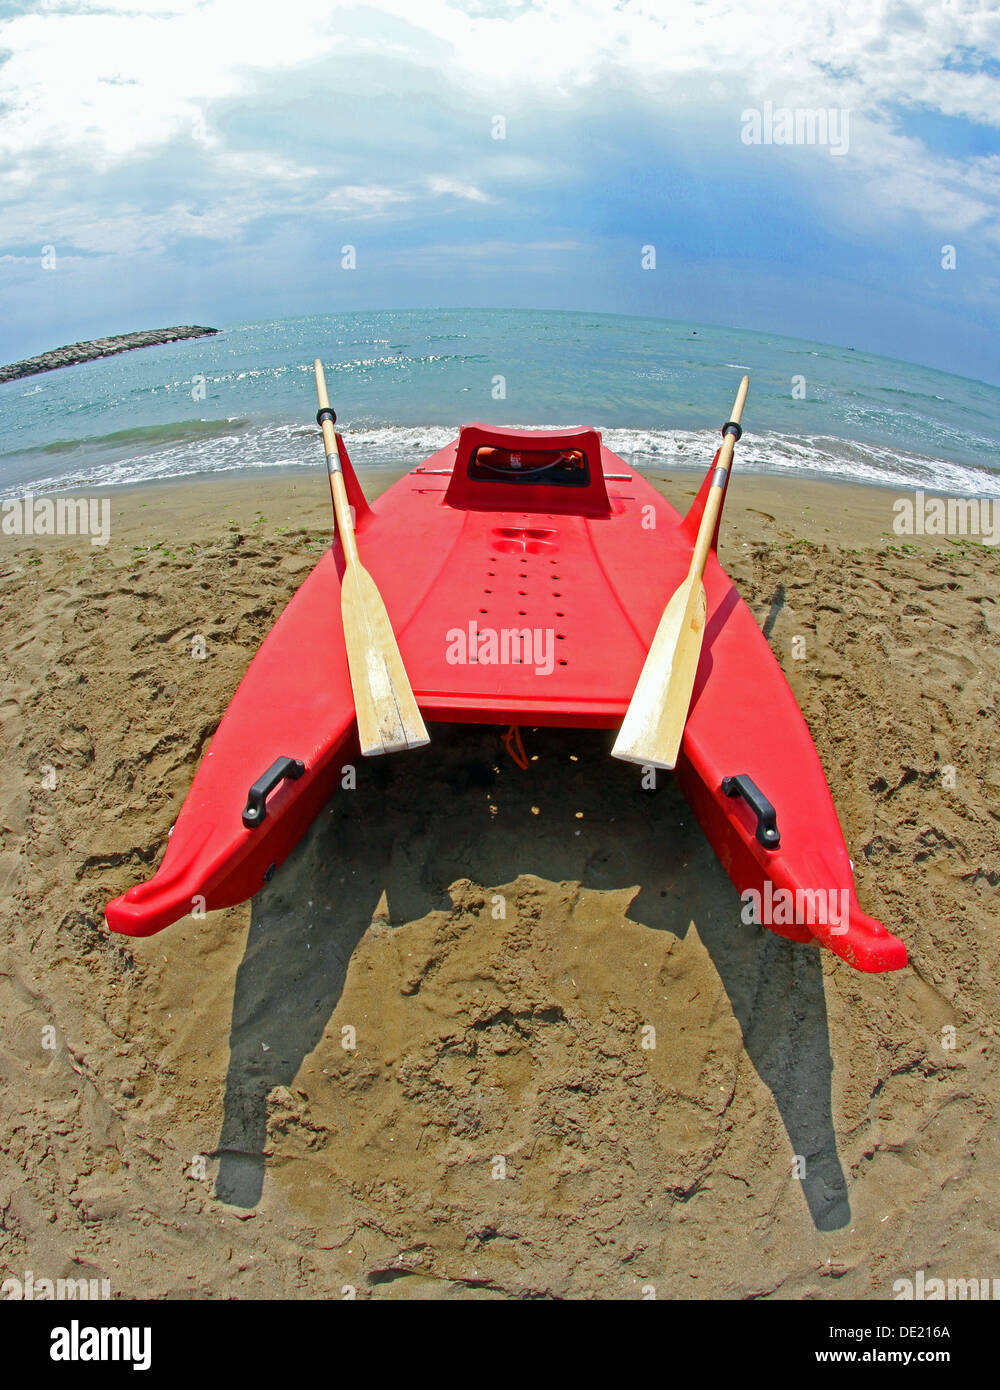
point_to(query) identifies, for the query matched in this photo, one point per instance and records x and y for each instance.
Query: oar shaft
(653, 727)
(338, 489)
(713, 502)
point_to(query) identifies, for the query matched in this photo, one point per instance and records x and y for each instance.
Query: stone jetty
(101, 347)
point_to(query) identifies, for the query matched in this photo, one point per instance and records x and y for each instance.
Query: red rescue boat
(524, 573)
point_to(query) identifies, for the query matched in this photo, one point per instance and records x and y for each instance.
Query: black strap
(325, 413)
(731, 427)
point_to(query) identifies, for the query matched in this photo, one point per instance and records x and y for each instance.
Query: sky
(177, 161)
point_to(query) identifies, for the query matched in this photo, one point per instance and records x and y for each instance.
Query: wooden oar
(653, 726)
(388, 717)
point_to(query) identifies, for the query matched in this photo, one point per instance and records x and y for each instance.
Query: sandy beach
(179, 1113)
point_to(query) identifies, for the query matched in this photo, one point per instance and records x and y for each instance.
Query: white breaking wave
(809, 456)
(286, 446)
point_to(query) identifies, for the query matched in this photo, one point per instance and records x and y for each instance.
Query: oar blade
(653, 726)
(388, 717)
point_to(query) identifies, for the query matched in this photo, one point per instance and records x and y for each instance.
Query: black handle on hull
(767, 818)
(256, 808)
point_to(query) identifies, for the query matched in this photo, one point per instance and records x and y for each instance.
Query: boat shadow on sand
(384, 838)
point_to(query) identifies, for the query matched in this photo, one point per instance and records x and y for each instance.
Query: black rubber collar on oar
(731, 427)
(325, 413)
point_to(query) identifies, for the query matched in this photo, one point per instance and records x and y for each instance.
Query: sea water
(403, 381)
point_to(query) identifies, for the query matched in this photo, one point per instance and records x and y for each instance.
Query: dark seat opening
(563, 467)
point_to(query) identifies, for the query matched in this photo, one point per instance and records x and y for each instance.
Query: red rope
(514, 746)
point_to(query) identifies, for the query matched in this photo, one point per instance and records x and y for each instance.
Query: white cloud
(260, 165)
(103, 83)
(493, 250)
(439, 185)
(364, 199)
(115, 76)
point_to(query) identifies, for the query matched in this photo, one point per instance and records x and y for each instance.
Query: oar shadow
(419, 822)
